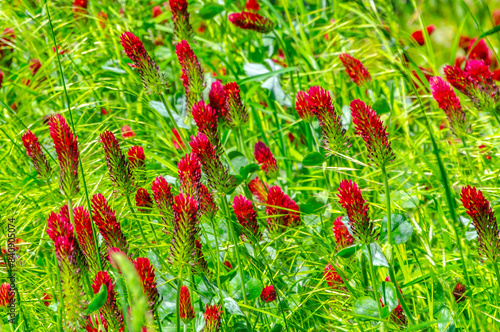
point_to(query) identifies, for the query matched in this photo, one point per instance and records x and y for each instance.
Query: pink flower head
(355, 69)
(459, 292)
(397, 314)
(342, 236)
(418, 35)
(352, 201)
(118, 165)
(228, 265)
(282, 211)
(268, 294)
(259, 189)
(190, 174)
(206, 120)
(180, 16)
(252, 6)
(127, 132)
(105, 219)
(369, 126)
(217, 97)
(484, 221)
(112, 314)
(137, 163)
(86, 237)
(146, 272)
(156, 11)
(153, 80)
(93, 324)
(305, 111)
(1, 78)
(183, 247)
(162, 193)
(6, 295)
(332, 278)
(80, 7)
(207, 203)
(66, 145)
(450, 104)
(251, 21)
(480, 52)
(47, 298)
(192, 74)
(34, 151)
(236, 114)
(213, 316)
(102, 19)
(185, 308)
(265, 159)
(143, 200)
(35, 66)
(247, 216)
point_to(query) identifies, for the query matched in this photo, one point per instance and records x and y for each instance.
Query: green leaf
(348, 251)
(366, 306)
(401, 229)
(232, 307)
(381, 106)
(445, 321)
(248, 169)
(387, 291)
(210, 10)
(277, 328)
(254, 288)
(312, 205)
(313, 159)
(98, 301)
(378, 257)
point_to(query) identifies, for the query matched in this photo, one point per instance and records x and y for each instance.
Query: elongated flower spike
(185, 308)
(143, 200)
(192, 74)
(34, 151)
(207, 203)
(303, 109)
(182, 28)
(369, 126)
(189, 170)
(282, 211)
(206, 120)
(268, 294)
(146, 272)
(352, 201)
(86, 237)
(259, 189)
(418, 35)
(459, 292)
(137, 164)
(104, 217)
(450, 104)
(247, 216)
(236, 114)
(6, 296)
(217, 97)
(265, 159)
(484, 221)
(110, 311)
(66, 145)
(80, 8)
(118, 164)
(342, 236)
(153, 80)
(217, 174)
(162, 193)
(355, 69)
(93, 324)
(183, 248)
(213, 316)
(251, 21)
(332, 278)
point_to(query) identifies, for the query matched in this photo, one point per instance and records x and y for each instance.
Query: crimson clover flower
(180, 16)
(355, 69)
(80, 8)
(251, 21)
(177, 140)
(206, 121)
(459, 292)
(352, 201)
(228, 265)
(450, 104)
(207, 203)
(252, 6)
(192, 74)
(34, 151)
(185, 308)
(281, 210)
(268, 294)
(105, 219)
(236, 114)
(102, 18)
(110, 311)
(305, 111)
(86, 237)
(1, 77)
(183, 248)
(418, 35)
(162, 193)
(332, 278)
(189, 170)
(397, 314)
(217, 97)
(247, 216)
(93, 324)
(6, 296)
(118, 164)
(146, 272)
(259, 189)
(127, 132)
(153, 80)
(213, 316)
(484, 221)
(369, 126)
(66, 145)
(342, 236)
(137, 164)
(480, 52)
(265, 159)
(143, 200)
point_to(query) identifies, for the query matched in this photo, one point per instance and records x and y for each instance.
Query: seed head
(259, 189)
(118, 165)
(143, 200)
(104, 218)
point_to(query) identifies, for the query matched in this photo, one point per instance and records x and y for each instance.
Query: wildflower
(332, 278)
(265, 159)
(80, 7)
(146, 272)
(206, 120)
(342, 236)
(177, 140)
(192, 74)
(480, 52)
(484, 221)
(496, 16)
(369, 126)
(180, 16)
(236, 114)
(136, 159)
(127, 132)
(355, 69)
(217, 97)
(228, 265)
(246, 215)
(162, 193)
(207, 203)
(213, 317)
(112, 252)
(109, 310)
(93, 324)
(352, 201)
(185, 230)
(66, 145)
(259, 189)
(86, 237)
(143, 200)
(190, 174)
(251, 21)
(486, 154)
(6, 295)
(7, 40)
(268, 294)
(185, 308)
(252, 6)
(118, 165)
(47, 298)
(217, 174)
(34, 151)
(156, 11)
(153, 81)
(418, 35)
(282, 211)
(1, 78)
(102, 18)
(459, 292)
(397, 314)
(104, 218)
(302, 106)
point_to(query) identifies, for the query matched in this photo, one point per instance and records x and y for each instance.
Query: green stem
(388, 204)
(178, 310)
(372, 276)
(168, 107)
(217, 263)
(138, 222)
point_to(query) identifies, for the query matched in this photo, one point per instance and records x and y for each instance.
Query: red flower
(206, 120)
(282, 211)
(118, 165)
(127, 132)
(47, 299)
(236, 114)
(1, 78)
(176, 140)
(228, 265)
(143, 200)
(93, 324)
(355, 69)
(180, 16)
(496, 16)
(190, 174)
(268, 294)
(484, 221)
(342, 236)
(146, 272)
(7, 41)
(66, 145)
(418, 35)
(192, 74)
(102, 19)
(305, 111)
(352, 201)
(265, 159)
(156, 11)
(86, 237)
(459, 292)
(35, 66)
(183, 247)
(112, 314)
(246, 215)
(252, 6)
(483, 147)
(251, 21)
(212, 318)
(136, 159)
(369, 126)
(104, 217)
(6, 296)
(207, 203)
(80, 7)
(34, 151)
(480, 51)
(332, 278)
(259, 189)
(217, 97)
(397, 314)
(162, 193)
(186, 310)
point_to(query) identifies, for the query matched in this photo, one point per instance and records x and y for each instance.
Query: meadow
(249, 165)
